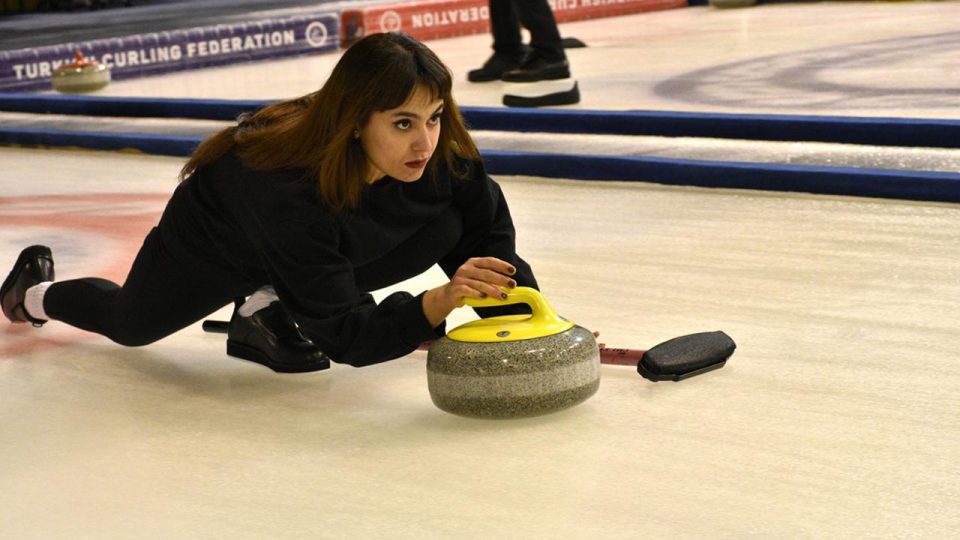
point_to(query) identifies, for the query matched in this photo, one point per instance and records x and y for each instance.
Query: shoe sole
(245, 352)
(570, 97)
(30, 252)
(554, 76)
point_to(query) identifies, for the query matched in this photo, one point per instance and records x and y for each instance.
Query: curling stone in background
(514, 365)
(81, 75)
(542, 93)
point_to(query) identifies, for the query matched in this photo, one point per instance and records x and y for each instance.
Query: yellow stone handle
(517, 295)
(543, 321)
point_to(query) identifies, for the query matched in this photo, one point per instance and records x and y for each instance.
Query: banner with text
(432, 19)
(176, 50)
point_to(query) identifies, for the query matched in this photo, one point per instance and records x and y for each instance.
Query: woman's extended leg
(162, 294)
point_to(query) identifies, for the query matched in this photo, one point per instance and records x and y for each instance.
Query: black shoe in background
(35, 265)
(271, 337)
(547, 99)
(495, 67)
(535, 68)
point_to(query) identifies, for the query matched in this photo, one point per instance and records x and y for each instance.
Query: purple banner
(176, 50)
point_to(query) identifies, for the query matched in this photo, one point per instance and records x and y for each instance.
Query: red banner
(433, 19)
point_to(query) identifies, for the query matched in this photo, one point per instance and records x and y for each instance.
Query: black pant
(506, 16)
(164, 292)
(177, 280)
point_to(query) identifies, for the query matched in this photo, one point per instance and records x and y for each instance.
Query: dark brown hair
(315, 132)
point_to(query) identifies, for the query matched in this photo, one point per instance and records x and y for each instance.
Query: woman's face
(399, 142)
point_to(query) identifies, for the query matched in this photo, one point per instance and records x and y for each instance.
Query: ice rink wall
(327, 30)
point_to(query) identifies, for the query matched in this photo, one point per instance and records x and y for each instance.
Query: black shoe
(494, 67)
(271, 337)
(535, 68)
(563, 97)
(35, 265)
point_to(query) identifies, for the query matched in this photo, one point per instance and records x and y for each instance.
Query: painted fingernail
(512, 284)
(483, 295)
(503, 295)
(513, 270)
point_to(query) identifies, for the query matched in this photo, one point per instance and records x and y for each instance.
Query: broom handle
(621, 357)
(611, 356)
(615, 357)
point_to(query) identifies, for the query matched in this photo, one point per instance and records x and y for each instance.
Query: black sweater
(271, 228)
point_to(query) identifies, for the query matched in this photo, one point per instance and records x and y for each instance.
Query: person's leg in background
(508, 49)
(547, 60)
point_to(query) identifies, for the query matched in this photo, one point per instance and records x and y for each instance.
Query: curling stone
(81, 75)
(513, 366)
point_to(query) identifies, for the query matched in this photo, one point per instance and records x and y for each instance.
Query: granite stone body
(514, 379)
(71, 79)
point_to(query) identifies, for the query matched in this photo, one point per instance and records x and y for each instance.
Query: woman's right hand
(479, 277)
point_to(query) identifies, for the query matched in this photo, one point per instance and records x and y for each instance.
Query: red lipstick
(416, 164)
